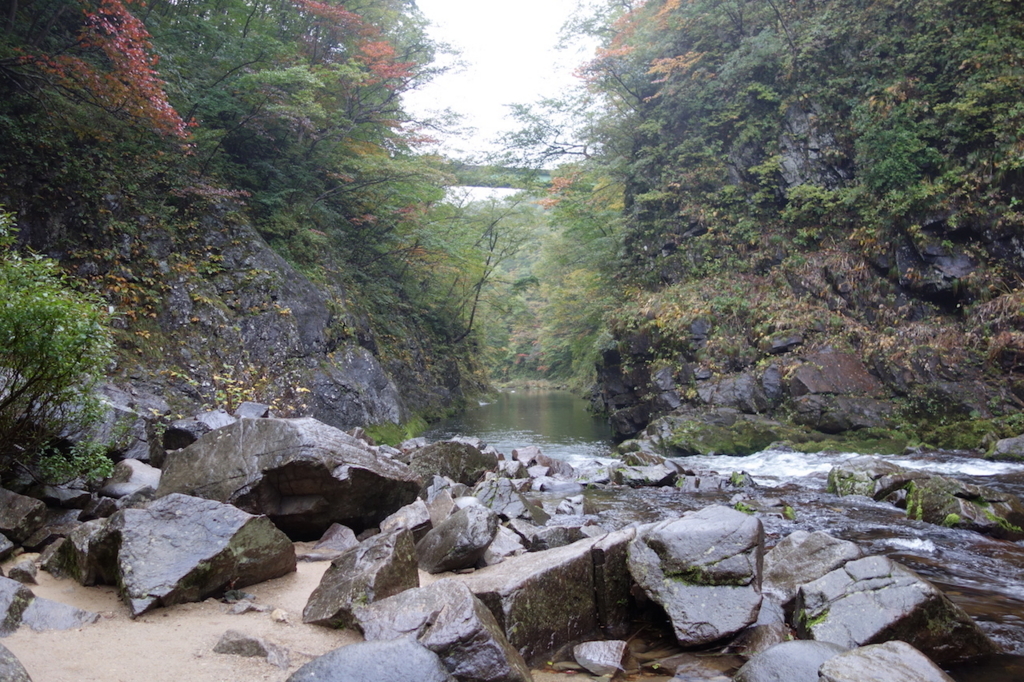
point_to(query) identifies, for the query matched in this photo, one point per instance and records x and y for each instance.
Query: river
(983, 575)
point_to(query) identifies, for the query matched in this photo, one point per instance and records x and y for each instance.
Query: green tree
(54, 349)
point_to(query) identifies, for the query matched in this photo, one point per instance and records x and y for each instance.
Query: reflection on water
(556, 421)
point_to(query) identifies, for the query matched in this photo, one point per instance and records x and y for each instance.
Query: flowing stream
(983, 575)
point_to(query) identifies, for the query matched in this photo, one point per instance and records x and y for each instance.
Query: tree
(54, 349)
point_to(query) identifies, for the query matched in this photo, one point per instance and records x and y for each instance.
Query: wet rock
(541, 600)
(577, 505)
(334, 542)
(891, 661)
(59, 523)
(62, 496)
(949, 502)
(448, 619)
(14, 599)
(769, 629)
(795, 661)
(722, 431)
(415, 517)
(6, 547)
(183, 432)
(612, 581)
(19, 606)
(506, 543)
(550, 466)
(704, 569)
(11, 669)
(178, 549)
(379, 567)
(98, 508)
(835, 414)
(833, 373)
(874, 600)
(130, 476)
(251, 410)
(236, 643)
(643, 476)
(1009, 448)
(606, 657)
(394, 660)
(458, 542)
(24, 572)
(302, 473)
(20, 516)
(502, 495)
(540, 538)
(461, 462)
(802, 557)
(511, 468)
(870, 476)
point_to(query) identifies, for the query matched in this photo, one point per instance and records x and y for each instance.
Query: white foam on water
(968, 466)
(912, 544)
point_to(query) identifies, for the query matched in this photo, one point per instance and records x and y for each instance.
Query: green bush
(54, 347)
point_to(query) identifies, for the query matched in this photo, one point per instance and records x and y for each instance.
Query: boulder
(949, 502)
(183, 432)
(891, 661)
(503, 496)
(236, 643)
(59, 524)
(332, 544)
(24, 572)
(835, 414)
(178, 549)
(461, 462)
(795, 661)
(704, 569)
(448, 619)
(414, 516)
(1008, 448)
(6, 547)
(540, 538)
(613, 583)
(14, 599)
(643, 476)
(875, 599)
(506, 543)
(19, 606)
(393, 660)
(379, 567)
(833, 373)
(459, 541)
(20, 516)
(541, 600)
(130, 477)
(870, 476)
(605, 657)
(802, 557)
(302, 473)
(11, 669)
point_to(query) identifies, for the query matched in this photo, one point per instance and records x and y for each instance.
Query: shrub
(54, 347)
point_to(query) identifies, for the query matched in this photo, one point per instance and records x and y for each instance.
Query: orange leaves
(668, 66)
(130, 86)
(379, 56)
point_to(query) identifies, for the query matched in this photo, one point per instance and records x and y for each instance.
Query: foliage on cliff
(800, 176)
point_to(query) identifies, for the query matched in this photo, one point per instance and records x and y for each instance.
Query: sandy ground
(176, 643)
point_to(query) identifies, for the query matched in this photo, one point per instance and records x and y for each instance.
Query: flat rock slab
(301, 473)
(398, 660)
(875, 599)
(891, 661)
(235, 643)
(449, 620)
(704, 569)
(379, 567)
(801, 557)
(794, 661)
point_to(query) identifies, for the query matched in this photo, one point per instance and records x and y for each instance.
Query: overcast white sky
(508, 47)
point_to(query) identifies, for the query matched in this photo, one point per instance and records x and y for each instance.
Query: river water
(983, 575)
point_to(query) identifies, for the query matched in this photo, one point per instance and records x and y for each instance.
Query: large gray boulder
(704, 569)
(892, 661)
(794, 661)
(19, 606)
(449, 620)
(800, 558)
(20, 516)
(11, 669)
(177, 549)
(875, 599)
(395, 660)
(870, 476)
(461, 462)
(379, 567)
(459, 541)
(302, 473)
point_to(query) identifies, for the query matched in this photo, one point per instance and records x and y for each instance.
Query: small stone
(280, 616)
(24, 572)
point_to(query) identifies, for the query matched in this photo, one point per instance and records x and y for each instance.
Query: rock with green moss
(461, 462)
(874, 600)
(178, 549)
(11, 669)
(723, 432)
(704, 569)
(870, 476)
(949, 502)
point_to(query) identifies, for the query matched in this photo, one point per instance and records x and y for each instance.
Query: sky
(508, 47)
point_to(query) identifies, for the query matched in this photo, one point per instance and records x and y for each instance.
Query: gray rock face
(183, 432)
(415, 517)
(875, 600)
(461, 462)
(449, 620)
(11, 669)
(870, 476)
(800, 558)
(14, 599)
(891, 661)
(379, 567)
(20, 516)
(332, 544)
(397, 660)
(606, 657)
(303, 474)
(506, 543)
(24, 572)
(130, 476)
(459, 541)
(178, 549)
(704, 569)
(795, 661)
